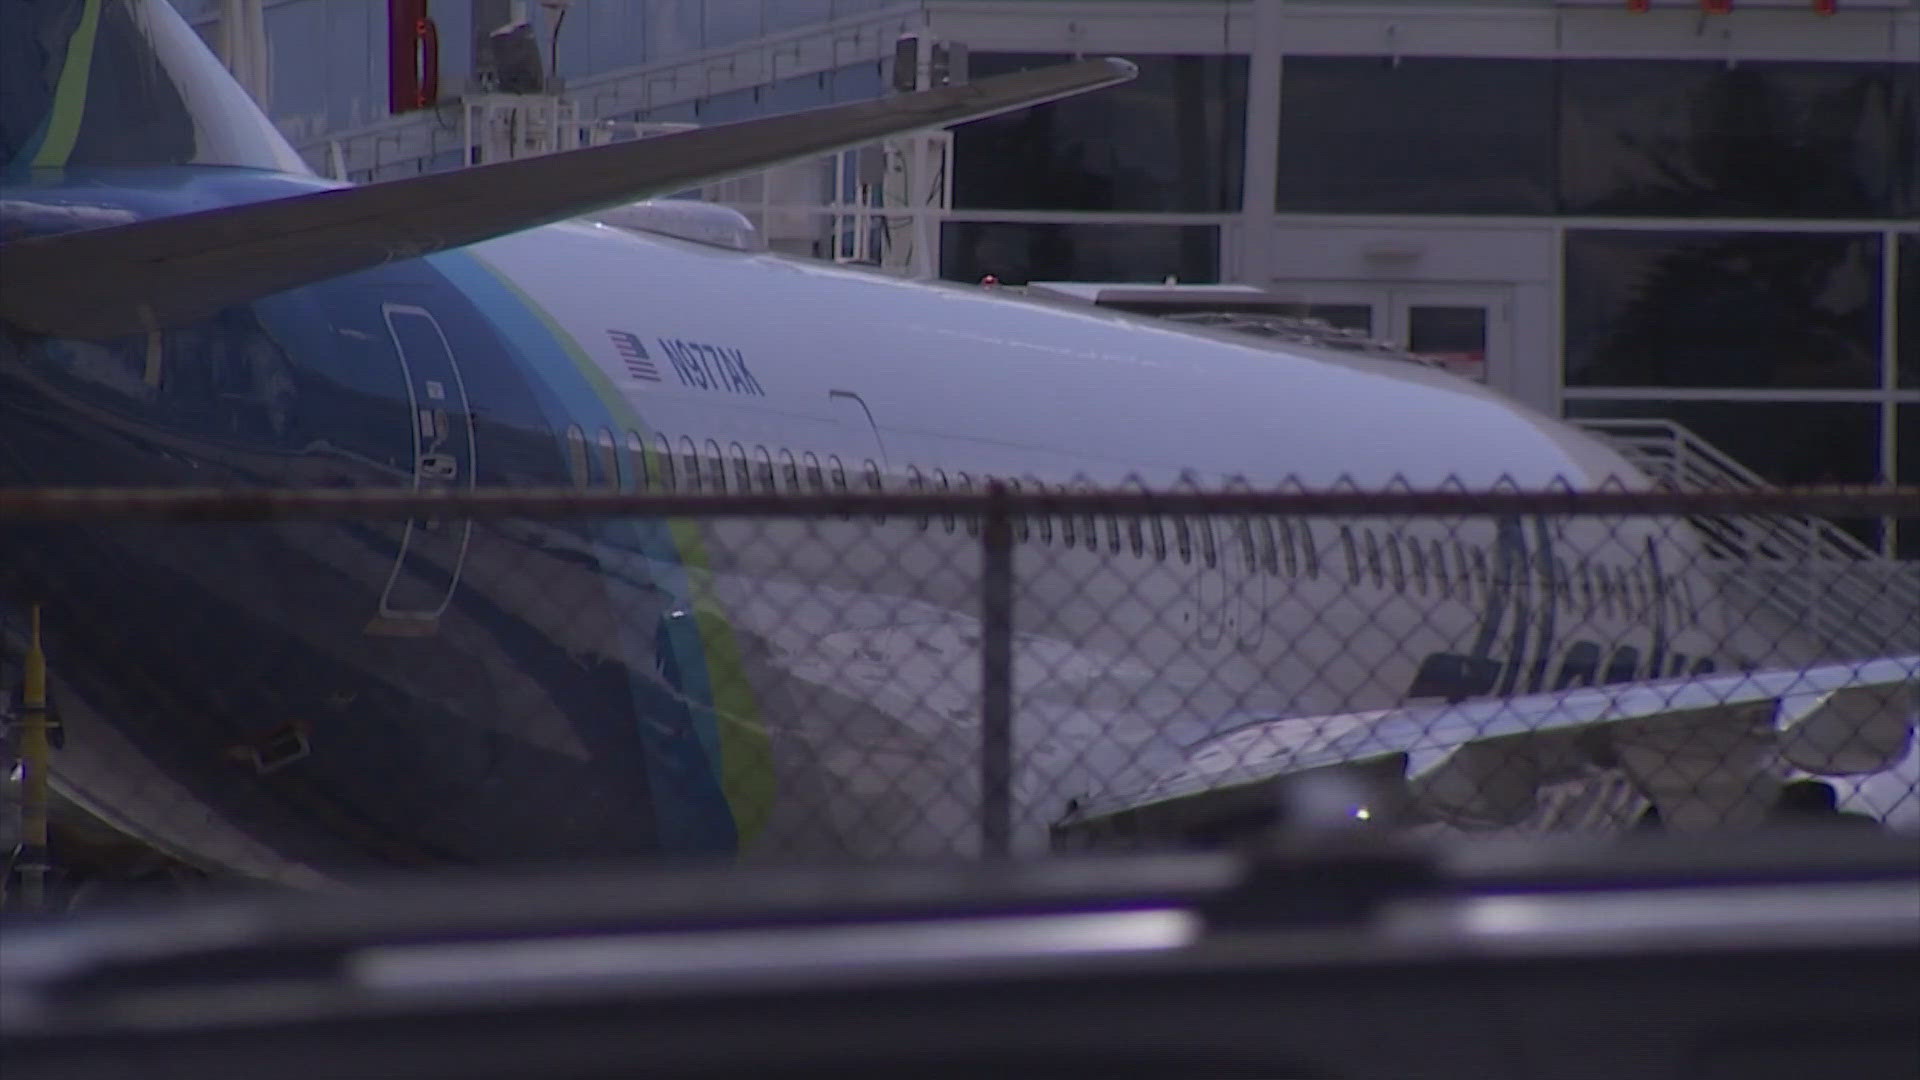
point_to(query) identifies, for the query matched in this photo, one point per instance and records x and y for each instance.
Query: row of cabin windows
(1275, 545)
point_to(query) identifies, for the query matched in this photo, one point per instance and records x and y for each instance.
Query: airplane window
(577, 455)
(1393, 561)
(1419, 554)
(918, 485)
(716, 468)
(1353, 558)
(636, 462)
(1269, 551)
(742, 472)
(663, 457)
(872, 473)
(1020, 532)
(689, 465)
(789, 471)
(1373, 559)
(966, 488)
(763, 463)
(940, 482)
(1044, 520)
(837, 476)
(609, 459)
(815, 483)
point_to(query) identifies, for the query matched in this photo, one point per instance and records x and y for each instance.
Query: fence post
(996, 676)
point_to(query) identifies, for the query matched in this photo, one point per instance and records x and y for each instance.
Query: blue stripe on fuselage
(676, 724)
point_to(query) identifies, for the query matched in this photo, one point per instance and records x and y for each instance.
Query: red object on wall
(413, 56)
(1639, 5)
(1716, 7)
(1825, 7)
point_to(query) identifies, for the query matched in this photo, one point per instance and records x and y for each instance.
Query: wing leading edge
(125, 279)
(1701, 749)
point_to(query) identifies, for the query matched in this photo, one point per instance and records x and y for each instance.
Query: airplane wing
(169, 270)
(1701, 749)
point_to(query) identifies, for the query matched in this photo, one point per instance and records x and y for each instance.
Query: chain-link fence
(264, 680)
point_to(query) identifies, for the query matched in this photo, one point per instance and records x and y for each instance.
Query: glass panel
(1699, 137)
(1906, 431)
(795, 94)
(792, 14)
(1722, 309)
(1907, 313)
(1019, 253)
(1785, 442)
(1356, 317)
(1170, 140)
(1414, 135)
(728, 22)
(1454, 335)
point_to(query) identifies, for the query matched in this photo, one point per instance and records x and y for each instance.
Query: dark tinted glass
(1907, 314)
(1906, 434)
(1698, 137)
(1722, 309)
(1019, 253)
(1785, 442)
(1170, 140)
(1419, 134)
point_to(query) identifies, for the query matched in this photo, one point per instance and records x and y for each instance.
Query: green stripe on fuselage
(62, 131)
(745, 759)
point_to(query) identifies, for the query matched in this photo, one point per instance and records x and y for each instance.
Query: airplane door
(432, 551)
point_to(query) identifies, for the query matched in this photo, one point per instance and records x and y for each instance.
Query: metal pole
(34, 753)
(996, 676)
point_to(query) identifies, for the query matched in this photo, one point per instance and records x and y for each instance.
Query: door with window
(1467, 329)
(432, 550)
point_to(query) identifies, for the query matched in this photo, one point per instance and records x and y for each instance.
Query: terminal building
(1693, 223)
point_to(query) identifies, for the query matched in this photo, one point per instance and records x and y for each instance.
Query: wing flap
(125, 279)
(1702, 740)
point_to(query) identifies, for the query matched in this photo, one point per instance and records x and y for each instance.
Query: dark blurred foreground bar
(1772, 956)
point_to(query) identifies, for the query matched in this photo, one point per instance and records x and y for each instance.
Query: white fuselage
(1135, 638)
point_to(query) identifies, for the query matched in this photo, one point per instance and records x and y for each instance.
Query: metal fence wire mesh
(956, 669)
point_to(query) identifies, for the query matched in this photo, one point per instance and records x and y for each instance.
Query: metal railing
(427, 141)
(1803, 569)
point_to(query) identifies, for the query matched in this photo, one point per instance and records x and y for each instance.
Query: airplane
(182, 303)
